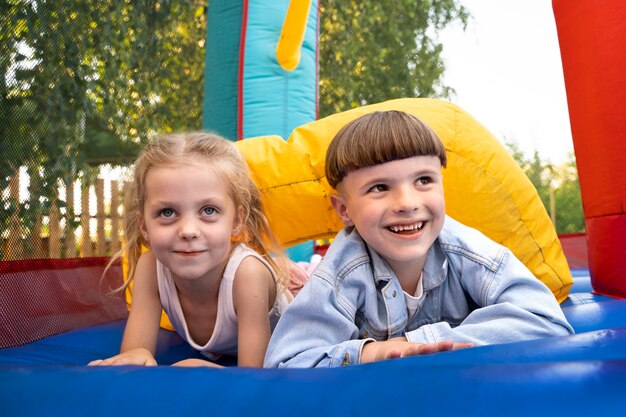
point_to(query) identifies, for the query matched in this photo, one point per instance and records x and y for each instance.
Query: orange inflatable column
(592, 37)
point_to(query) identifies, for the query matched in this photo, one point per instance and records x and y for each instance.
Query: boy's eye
(379, 188)
(424, 180)
(209, 211)
(167, 212)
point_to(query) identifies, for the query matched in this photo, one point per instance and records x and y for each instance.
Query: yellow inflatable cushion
(484, 187)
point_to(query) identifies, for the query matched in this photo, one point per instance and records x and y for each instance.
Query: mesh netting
(40, 298)
(83, 85)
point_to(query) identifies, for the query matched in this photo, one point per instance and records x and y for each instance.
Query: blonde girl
(194, 206)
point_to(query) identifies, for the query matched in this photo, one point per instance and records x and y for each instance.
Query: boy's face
(397, 207)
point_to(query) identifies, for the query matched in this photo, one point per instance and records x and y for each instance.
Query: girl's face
(189, 219)
(397, 207)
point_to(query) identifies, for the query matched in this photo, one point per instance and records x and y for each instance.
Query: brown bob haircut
(379, 137)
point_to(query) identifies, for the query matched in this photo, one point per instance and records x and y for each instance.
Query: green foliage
(562, 181)
(86, 82)
(376, 50)
(569, 208)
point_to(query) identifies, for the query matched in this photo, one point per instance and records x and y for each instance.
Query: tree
(376, 50)
(561, 180)
(569, 209)
(85, 83)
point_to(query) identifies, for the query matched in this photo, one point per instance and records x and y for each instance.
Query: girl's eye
(209, 211)
(168, 212)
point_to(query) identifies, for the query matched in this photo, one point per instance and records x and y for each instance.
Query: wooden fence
(60, 233)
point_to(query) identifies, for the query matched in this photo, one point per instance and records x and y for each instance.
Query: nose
(188, 229)
(406, 200)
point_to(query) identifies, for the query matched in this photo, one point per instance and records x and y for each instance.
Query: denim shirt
(474, 290)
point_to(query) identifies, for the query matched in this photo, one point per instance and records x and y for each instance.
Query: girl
(193, 204)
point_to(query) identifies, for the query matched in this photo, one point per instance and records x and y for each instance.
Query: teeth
(415, 226)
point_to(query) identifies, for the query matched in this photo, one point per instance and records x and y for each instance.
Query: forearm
(341, 354)
(508, 304)
(500, 323)
(138, 336)
(317, 330)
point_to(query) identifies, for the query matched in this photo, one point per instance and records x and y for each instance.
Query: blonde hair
(379, 137)
(225, 159)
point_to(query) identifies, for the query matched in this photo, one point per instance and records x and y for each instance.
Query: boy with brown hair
(402, 278)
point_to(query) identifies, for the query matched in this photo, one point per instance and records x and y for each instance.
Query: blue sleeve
(316, 330)
(513, 306)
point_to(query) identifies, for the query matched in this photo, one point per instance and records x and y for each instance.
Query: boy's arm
(513, 306)
(316, 330)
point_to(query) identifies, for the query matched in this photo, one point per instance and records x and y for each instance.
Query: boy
(402, 278)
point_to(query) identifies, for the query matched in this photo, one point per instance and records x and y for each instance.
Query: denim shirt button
(394, 293)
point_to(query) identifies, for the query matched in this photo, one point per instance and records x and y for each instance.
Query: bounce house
(55, 319)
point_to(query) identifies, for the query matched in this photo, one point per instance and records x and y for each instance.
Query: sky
(507, 73)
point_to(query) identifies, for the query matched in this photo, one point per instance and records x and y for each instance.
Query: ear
(238, 222)
(340, 206)
(142, 228)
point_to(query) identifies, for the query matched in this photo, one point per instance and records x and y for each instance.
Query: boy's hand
(137, 356)
(399, 347)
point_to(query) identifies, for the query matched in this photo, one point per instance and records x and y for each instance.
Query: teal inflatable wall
(246, 92)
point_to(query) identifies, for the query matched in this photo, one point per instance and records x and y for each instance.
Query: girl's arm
(254, 292)
(142, 327)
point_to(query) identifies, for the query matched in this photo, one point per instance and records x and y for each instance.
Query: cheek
(436, 201)
(366, 215)
(442, 204)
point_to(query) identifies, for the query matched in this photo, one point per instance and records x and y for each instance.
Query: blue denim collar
(435, 267)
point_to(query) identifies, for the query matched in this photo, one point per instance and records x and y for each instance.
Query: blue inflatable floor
(580, 375)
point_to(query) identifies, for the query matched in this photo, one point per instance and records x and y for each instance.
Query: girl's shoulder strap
(238, 254)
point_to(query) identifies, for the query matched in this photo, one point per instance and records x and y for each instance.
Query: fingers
(120, 360)
(103, 362)
(462, 345)
(393, 354)
(115, 360)
(428, 348)
(415, 349)
(443, 346)
(401, 348)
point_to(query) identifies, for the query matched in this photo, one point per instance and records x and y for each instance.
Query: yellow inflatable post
(484, 187)
(292, 34)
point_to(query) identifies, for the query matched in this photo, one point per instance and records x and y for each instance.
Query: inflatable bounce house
(265, 91)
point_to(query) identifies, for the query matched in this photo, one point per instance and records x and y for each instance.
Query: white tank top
(223, 341)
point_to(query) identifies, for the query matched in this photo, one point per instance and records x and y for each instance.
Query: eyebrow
(415, 173)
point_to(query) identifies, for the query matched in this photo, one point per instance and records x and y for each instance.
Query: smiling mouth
(406, 228)
(187, 253)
